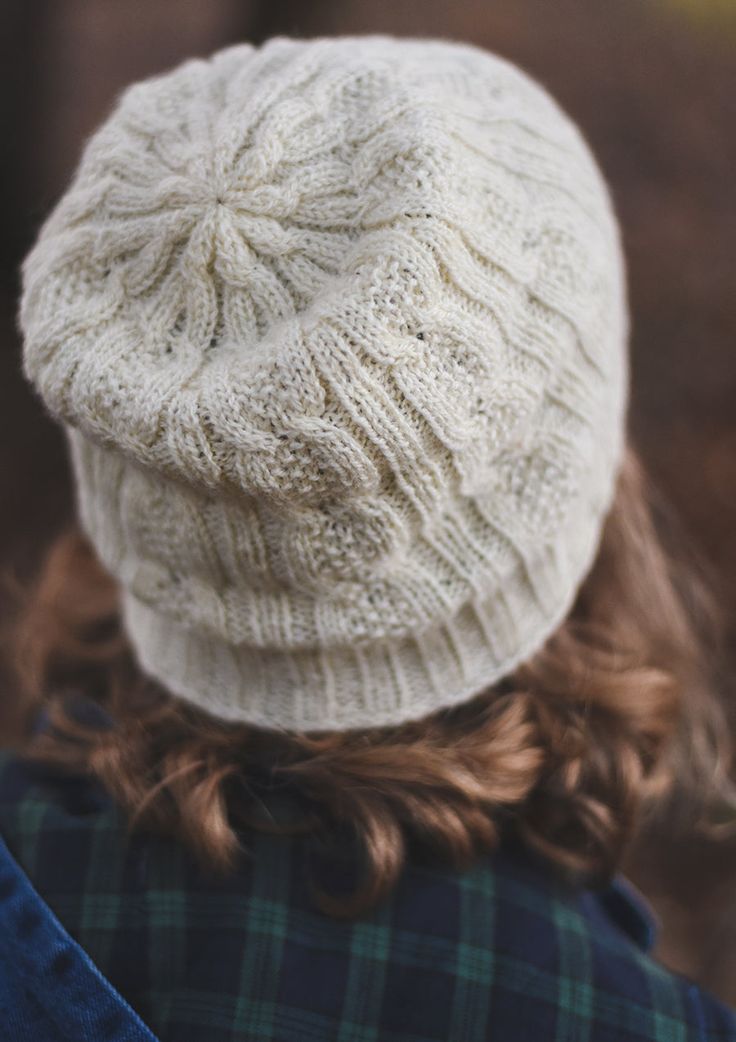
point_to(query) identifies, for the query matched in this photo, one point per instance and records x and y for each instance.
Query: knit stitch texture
(338, 331)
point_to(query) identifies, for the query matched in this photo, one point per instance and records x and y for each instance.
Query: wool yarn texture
(337, 329)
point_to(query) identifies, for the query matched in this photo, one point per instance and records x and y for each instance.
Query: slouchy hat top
(337, 329)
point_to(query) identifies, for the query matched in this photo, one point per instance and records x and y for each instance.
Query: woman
(340, 714)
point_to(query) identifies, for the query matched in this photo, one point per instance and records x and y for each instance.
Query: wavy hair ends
(569, 753)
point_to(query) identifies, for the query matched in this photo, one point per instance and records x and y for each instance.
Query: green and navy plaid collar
(502, 952)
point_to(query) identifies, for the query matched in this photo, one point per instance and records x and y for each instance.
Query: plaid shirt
(502, 952)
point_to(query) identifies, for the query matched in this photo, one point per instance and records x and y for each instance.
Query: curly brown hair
(568, 753)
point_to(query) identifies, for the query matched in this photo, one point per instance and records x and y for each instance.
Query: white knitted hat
(338, 330)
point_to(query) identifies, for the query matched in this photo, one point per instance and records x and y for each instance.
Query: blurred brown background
(653, 84)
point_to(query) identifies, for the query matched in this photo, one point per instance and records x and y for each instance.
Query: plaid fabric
(502, 952)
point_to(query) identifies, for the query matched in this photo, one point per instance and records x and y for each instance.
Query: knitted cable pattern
(337, 329)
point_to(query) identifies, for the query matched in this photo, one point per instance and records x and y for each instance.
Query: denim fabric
(50, 991)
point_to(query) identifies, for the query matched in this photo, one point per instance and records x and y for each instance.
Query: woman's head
(337, 329)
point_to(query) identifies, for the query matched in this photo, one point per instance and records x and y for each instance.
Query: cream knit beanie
(338, 332)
